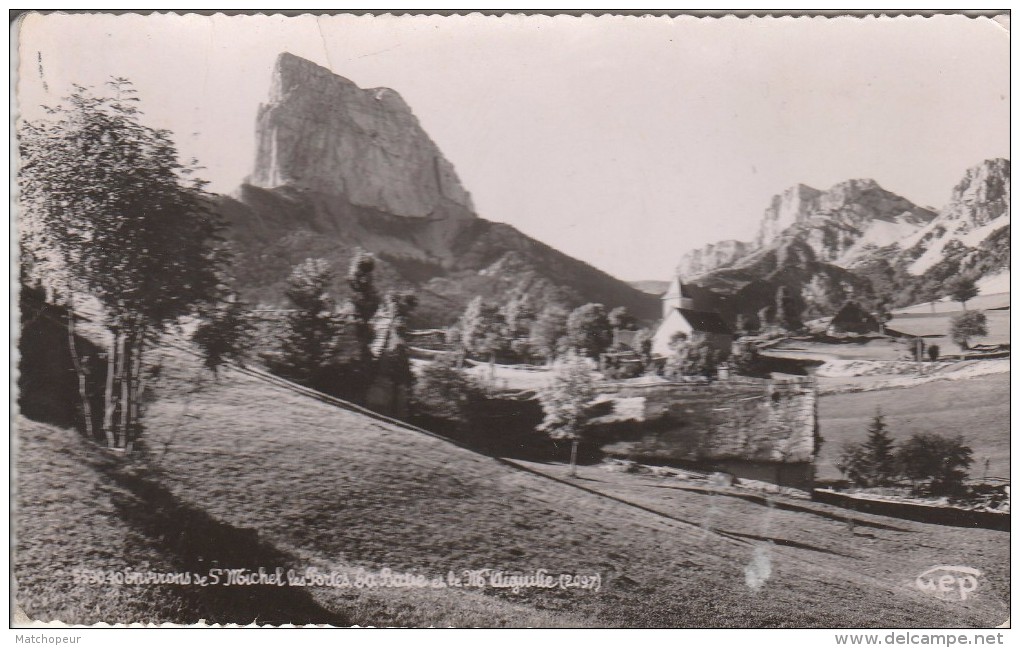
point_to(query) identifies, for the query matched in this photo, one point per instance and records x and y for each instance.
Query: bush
(445, 393)
(966, 325)
(747, 361)
(940, 461)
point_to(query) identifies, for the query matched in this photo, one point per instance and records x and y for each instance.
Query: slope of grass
(975, 408)
(240, 473)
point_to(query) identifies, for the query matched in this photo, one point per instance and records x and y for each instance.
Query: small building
(682, 313)
(852, 318)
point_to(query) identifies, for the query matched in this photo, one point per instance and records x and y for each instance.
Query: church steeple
(676, 297)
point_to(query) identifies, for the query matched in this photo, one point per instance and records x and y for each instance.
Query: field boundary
(945, 515)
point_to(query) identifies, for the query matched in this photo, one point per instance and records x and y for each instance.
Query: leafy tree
(678, 341)
(310, 341)
(853, 463)
(110, 208)
(224, 333)
(588, 330)
(878, 450)
(394, 361)
(967, 325)
(643, 345)
(963, 289)
(518, 316)
(364, 304)
(700, 358)
(565, 402)
(549, 331)
(747, 361)
(620, 319)
(941, 461)
(787, 310)
(483, 330)
(445, 393)
(933, 352)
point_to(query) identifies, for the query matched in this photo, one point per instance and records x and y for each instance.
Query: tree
(963, 289)
(565, 402)
(106, 202)
(620, 319)
(445, 393)
(588, 330)
(394, 361)
(700, 358)
(549, 331)
(519, 316)
(853, 463)
(941, 461)
(878, 450)
(483, 332)
(967, 325)
(915, 348)
(747, 361)
(766, 316)
(364, 304)
(933, 352)
(787, 310)
(882, 314)
(309, 344)
(224, 333)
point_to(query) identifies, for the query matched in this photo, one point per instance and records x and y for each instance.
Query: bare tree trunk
(125, 389)
(573, 458)
(109, 402)
(79, 369)
(135, 391)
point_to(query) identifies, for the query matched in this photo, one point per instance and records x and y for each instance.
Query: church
(682, 313)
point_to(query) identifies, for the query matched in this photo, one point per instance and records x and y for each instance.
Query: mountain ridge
(339, 168)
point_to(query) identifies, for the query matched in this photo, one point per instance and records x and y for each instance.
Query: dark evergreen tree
(878, 448)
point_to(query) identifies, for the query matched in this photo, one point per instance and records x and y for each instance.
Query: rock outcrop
(789, 208)
(339, 169)
(981, 196)
(977, 209)
(320, 131)
(714, 255)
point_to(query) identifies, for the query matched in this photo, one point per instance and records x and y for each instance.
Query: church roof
(704, 321)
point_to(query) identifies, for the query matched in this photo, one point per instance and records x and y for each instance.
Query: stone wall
(741, 419)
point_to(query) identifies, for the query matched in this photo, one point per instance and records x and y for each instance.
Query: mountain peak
(319, 131)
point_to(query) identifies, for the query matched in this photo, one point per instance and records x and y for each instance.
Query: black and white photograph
(512, 320)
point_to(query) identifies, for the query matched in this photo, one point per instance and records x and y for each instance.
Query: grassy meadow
(975, 408)
(238, 473)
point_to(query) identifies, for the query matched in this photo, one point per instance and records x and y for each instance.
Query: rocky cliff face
(320, 131)
(714, 255)
(786, 209)
(981, 196)
(977, 209)
(339, 168)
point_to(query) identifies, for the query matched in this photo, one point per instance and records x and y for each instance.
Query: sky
(622, 141)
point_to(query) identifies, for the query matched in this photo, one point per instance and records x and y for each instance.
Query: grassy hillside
(239, 473)
(976, 408)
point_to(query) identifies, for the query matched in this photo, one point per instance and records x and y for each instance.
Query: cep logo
(948, 581)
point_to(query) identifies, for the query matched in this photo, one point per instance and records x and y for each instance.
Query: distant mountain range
(858, 240)
(339, 168)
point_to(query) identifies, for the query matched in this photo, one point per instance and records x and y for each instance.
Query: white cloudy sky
(623, 142)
